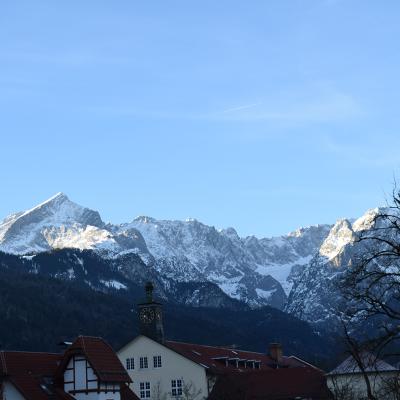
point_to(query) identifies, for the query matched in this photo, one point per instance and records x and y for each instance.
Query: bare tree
(390, 387)
(190, 392)
(358, 351)
(157, 393)
(372, 284)
(343, 388)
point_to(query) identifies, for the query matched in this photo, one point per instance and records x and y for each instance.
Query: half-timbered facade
(91, 371)
(88, 370)
(79, 376)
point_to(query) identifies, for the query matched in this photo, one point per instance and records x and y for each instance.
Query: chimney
(275, 352)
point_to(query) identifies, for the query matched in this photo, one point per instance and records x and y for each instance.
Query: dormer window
(234, 361)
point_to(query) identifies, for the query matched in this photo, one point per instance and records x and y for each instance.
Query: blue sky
(262, 115)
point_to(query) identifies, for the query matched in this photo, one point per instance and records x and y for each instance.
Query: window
(176, 386)
(143, 362)
(157, 361)
(144, 390)
(130, 363)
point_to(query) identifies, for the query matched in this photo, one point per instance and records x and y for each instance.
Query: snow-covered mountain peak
(231, 233)
(60, 209)
(339, 236)
(57, 198)
(51, 206)
(367, 220)
(316, 294)
(144, 219)
(310, 229)
(56, 222)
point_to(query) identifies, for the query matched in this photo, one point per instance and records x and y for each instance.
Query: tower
(150, 316)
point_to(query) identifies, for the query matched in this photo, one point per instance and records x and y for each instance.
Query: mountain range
(191, 263)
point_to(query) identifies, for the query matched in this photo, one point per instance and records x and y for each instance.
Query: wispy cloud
(239, 108)
(317, 103)
(297, 106)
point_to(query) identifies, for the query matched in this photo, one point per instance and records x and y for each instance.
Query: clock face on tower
(146, 315)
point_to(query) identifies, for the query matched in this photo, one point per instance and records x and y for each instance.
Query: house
(348, 379)
(273, 384)
(162, 369)
(88, 369)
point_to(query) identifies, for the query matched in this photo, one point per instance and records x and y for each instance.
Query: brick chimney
(275, 352)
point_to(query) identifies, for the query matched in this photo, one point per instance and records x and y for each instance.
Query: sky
(261, 115)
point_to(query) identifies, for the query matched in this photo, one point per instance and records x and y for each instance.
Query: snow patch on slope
(114, 284)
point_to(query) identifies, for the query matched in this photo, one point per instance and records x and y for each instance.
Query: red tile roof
(101, 357)
(277, 384)
(38, 376)
(127, 394)
(214, 357)
(26, 371)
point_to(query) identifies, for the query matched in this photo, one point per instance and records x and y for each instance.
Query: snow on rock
(114, 284)
(367, 220)
(191, 251)
(340, 235)
(315, 295)
(265, 294)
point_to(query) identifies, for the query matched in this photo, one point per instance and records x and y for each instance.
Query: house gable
(79, 375)
(91, 370)
(155, 366)
(138, 340)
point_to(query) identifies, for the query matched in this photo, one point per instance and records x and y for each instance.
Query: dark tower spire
(150, 316)
(149, 291)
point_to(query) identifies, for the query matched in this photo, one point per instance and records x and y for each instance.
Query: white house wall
(357, 382)
(11, 393)
(174, 366)
(98, 396)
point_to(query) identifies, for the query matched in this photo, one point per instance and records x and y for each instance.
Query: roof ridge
(31, 352)
(83, 337)
(217, 347)
(91, 337)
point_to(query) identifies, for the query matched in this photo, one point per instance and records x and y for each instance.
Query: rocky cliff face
(316, 296)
